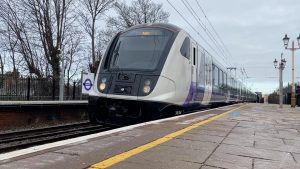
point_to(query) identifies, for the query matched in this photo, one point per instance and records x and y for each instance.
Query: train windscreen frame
(139, 49)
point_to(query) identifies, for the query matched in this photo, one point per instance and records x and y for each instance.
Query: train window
(220, 78)
(235, 84)
(185, 48)
(234, 87)
(215, 76)
(194, 56)
(135, 49)
(225, 77)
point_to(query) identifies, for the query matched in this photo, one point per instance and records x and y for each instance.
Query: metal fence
(29, 88)
(274, 98)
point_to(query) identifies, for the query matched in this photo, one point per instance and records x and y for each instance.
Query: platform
(258, 136)
(32, 103)
(22, 115)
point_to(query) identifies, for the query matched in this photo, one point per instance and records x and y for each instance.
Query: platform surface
(250, 136)
(50, 102)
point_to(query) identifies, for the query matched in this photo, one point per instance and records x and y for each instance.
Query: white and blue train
(153, 69)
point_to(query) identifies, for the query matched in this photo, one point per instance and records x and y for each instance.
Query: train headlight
(147, 87)
(102, 85)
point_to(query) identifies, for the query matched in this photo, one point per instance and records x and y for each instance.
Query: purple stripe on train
(192, 94)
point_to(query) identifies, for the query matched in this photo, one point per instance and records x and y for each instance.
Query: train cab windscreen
(139, 49)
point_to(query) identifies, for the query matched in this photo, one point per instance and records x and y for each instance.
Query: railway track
(24, 139)
(28, 138)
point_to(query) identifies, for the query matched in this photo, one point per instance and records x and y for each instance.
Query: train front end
(128, 84)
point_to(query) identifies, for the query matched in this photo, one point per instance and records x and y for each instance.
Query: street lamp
(280, 66)
(275, 63)
(286, 41)
(293, 49)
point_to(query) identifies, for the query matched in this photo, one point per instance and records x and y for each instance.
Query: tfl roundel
(87, 84)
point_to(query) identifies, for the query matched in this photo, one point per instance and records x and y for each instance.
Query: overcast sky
(252, 30)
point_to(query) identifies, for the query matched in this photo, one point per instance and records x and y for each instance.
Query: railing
(28, 88)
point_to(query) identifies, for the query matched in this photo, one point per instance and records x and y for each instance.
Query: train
(156, 69)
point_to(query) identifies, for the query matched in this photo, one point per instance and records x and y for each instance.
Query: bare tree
(12, 14)
(146, 11)
(39, 28)
(12, 43)
(9, 46)
(50, 19)
(92, 12)
(139, 12)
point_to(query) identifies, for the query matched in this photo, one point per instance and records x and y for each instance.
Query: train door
(194, 60)
(208, 79)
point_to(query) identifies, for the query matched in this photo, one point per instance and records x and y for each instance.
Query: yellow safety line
(120, 157)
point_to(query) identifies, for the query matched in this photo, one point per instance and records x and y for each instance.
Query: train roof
(168, 26)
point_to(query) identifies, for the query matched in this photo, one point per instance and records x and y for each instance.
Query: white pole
(81, 84)
(61, 80)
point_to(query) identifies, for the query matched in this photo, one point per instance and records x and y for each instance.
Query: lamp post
(293, 49)
(280, 66)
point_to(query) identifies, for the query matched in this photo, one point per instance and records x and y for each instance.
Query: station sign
(87, 82)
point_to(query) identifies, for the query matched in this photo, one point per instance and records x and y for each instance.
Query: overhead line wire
(204, 26)
(207, 31)
(216, 33)
(202, 10)
(192, 27)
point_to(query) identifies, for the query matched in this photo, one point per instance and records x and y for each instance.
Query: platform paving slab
(156, 165)
(221, 160)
